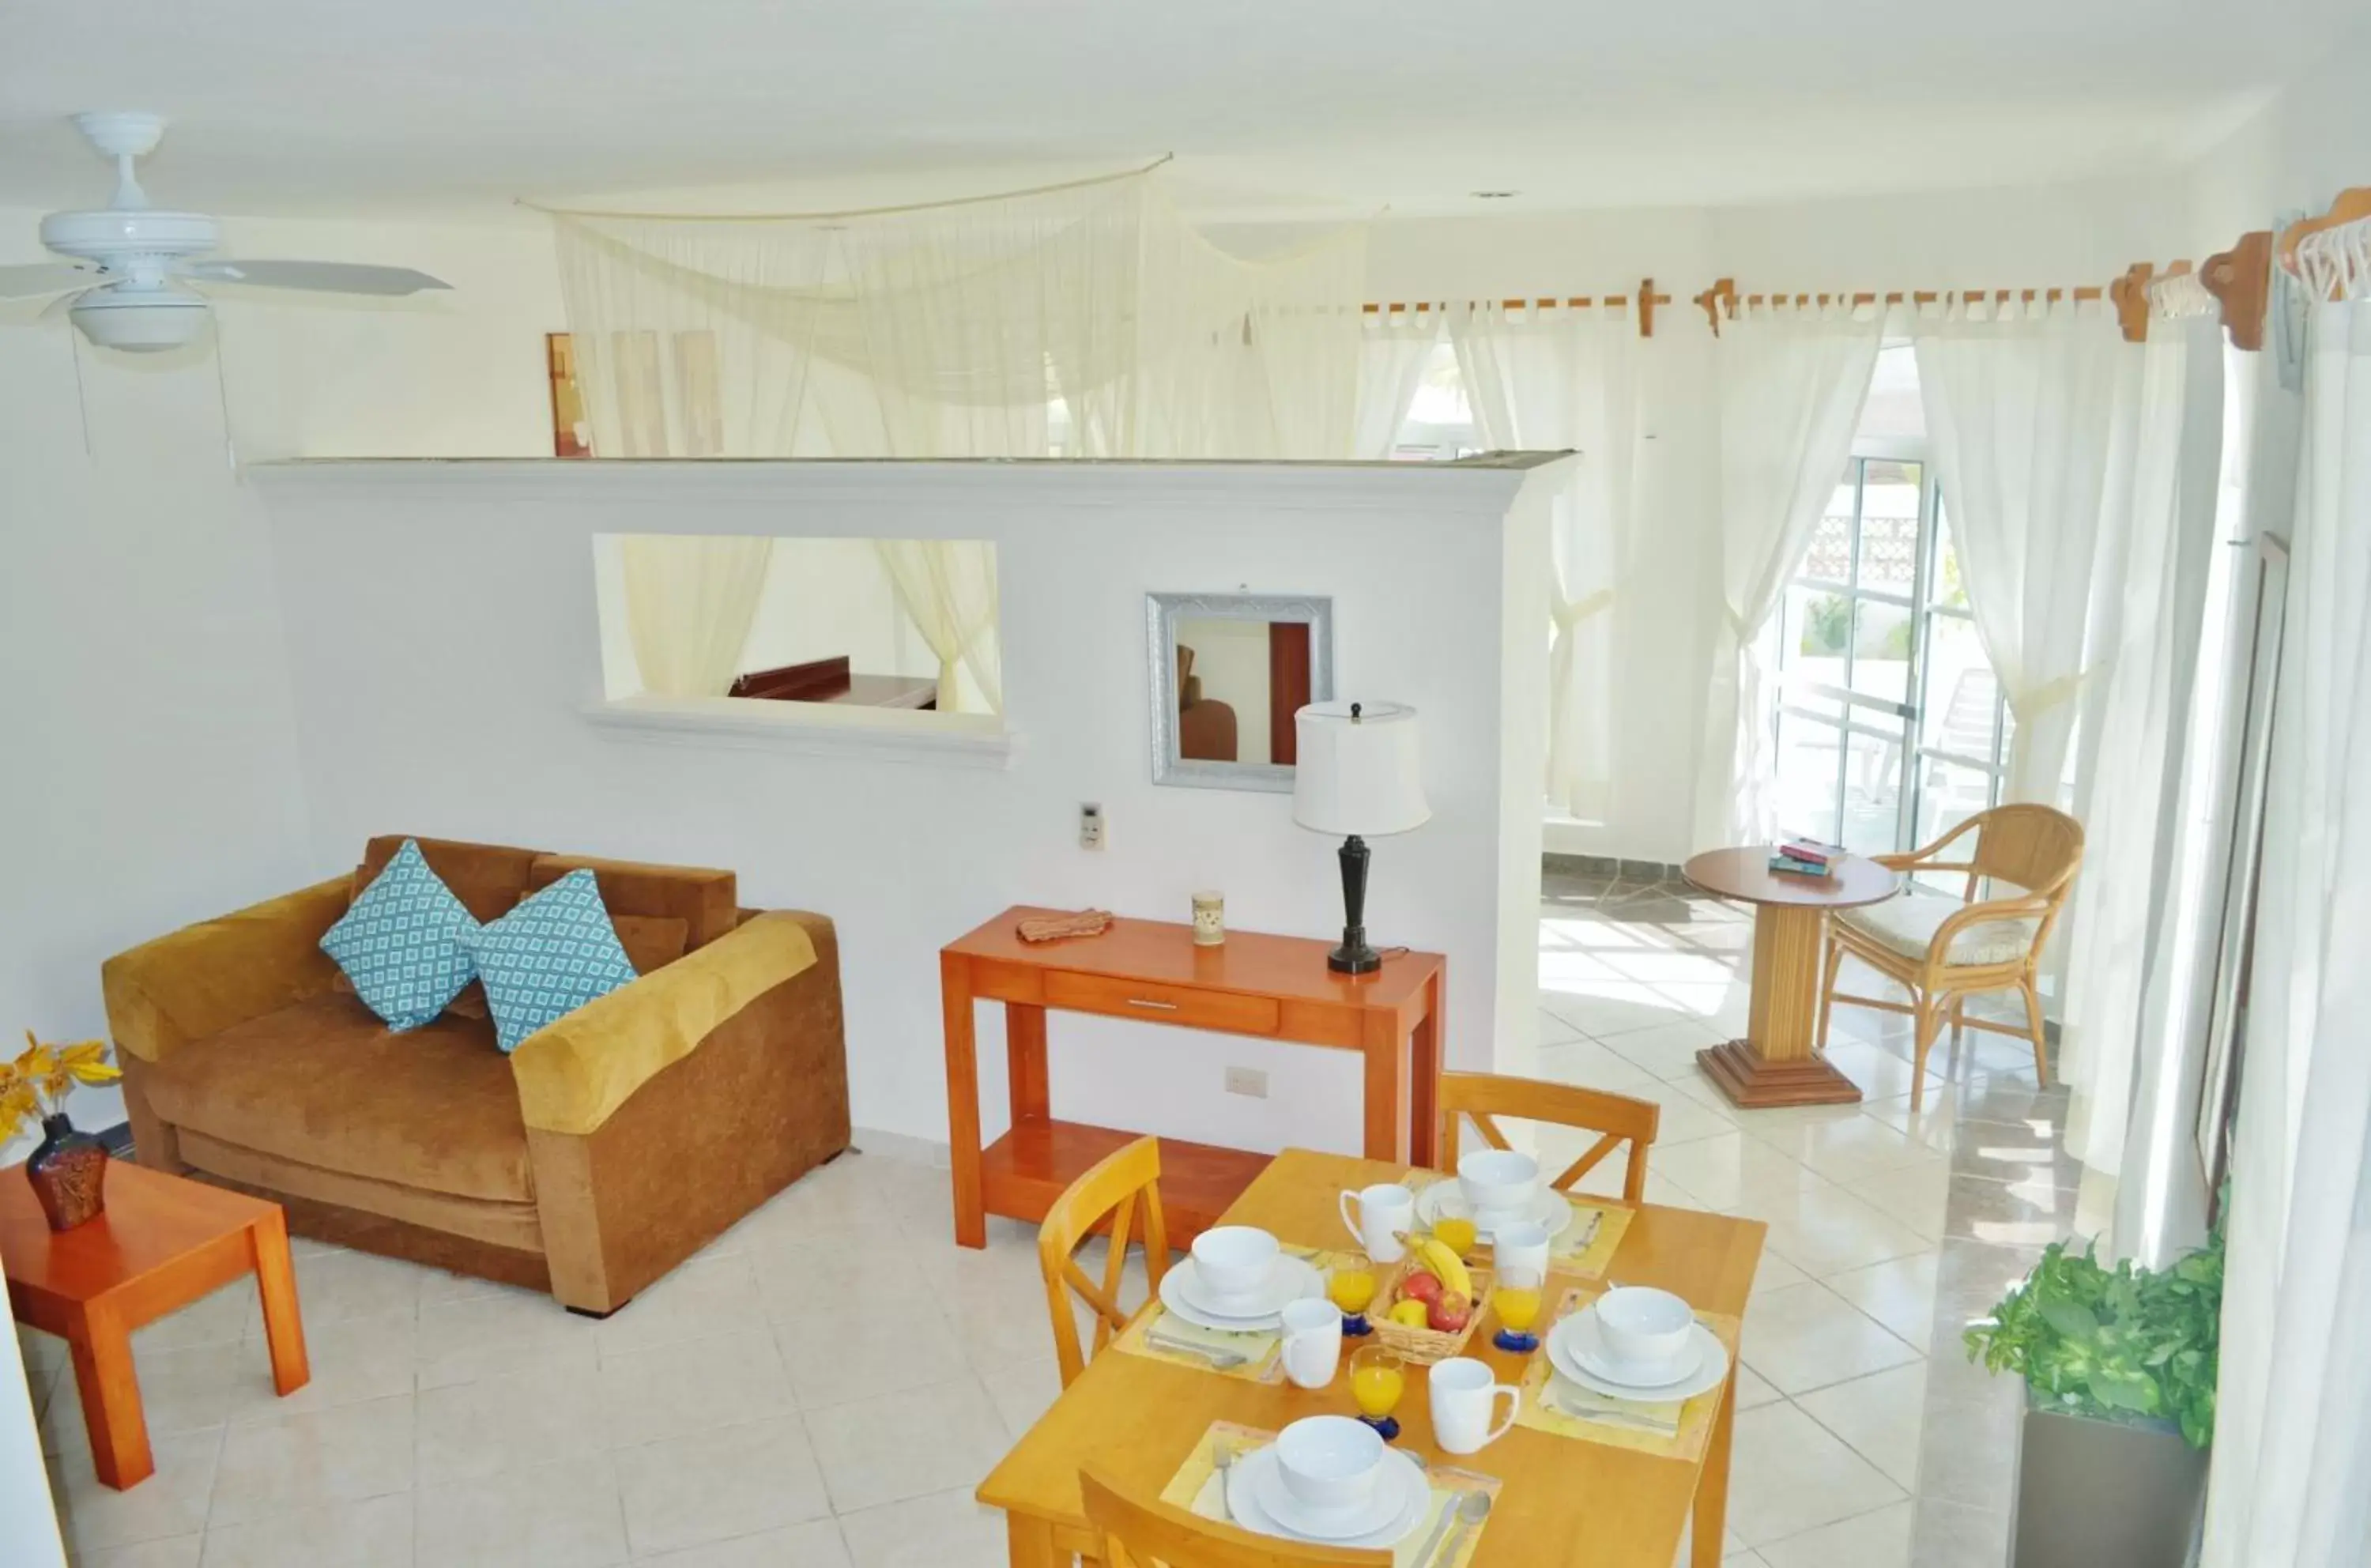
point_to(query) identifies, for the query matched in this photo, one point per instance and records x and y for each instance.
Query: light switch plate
(1091, 825)
(1247, 1081)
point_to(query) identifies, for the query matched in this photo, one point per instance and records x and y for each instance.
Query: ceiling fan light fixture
(147, 321)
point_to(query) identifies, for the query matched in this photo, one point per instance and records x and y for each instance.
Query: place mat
(1584, 1248)
(1160, 1334)
(1195, 1488)
(1671, 1428)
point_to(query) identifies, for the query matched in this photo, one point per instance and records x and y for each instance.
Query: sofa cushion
(549, 956)
(487, 877)
(651, 941)
(705, 900)
(401, 942)
(324, 1083)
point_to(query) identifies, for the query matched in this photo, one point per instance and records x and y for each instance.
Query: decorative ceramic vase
(1209, 919)
(68, 1171)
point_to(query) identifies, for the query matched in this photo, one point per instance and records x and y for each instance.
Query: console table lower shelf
(1151, 971)
(1023, 1173)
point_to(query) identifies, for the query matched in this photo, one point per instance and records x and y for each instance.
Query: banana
(1446, 1265)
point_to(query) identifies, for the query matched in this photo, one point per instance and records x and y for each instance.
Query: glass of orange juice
(1454, 1232)
(1516, 1298)
(1378, 1378)
(1351, 1289)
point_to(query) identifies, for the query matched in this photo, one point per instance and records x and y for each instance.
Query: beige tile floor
(451, 1421)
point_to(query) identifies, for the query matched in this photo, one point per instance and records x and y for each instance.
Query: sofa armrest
(203, 978)
(575, 1074)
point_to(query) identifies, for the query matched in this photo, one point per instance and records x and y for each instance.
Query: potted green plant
(2119, 1367)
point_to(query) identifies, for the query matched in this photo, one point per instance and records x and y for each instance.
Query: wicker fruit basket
(1423, 1346)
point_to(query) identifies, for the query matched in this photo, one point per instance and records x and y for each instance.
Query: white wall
(907, 856)
(152, 776)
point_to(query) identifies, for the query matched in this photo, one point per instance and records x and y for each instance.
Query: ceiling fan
(128, 282)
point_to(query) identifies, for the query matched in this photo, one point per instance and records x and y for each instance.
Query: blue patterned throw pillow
(549, 956)
(401, 942)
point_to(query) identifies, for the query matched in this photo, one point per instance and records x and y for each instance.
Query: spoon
(1473, 1509)
(1224, 1459)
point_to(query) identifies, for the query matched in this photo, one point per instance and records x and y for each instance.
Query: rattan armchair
(1946, 951)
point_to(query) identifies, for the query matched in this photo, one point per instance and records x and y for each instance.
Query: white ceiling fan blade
(43, 278)
(334, 277)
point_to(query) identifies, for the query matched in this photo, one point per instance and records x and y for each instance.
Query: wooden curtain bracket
(1647, 300)
(2352, 204)
(1722, 295)
(2240, 279)
(2129, 292)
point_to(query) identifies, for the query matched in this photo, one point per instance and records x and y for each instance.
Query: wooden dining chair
(1139, 1534)
(1618, 1118)
(1945, 949)
(1110, 1189)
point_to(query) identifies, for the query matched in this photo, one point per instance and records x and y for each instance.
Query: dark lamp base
(1354, 956)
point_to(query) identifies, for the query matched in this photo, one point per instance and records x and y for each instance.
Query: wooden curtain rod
(1722, 298)
(1647, 300)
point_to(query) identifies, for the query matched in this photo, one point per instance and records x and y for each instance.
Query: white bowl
(1234, 1261)
(1329, 1463)
(1497, 1181)
(1645, 1329)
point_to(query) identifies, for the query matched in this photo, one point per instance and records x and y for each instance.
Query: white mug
(1385, 1211)
(1462, 1395)
(1313, 1341)
(1519, 1253)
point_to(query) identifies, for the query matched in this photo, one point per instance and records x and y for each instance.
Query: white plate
(1443, 1200)
(1574, 1345)
(1402, 1497)
(1292, 1278)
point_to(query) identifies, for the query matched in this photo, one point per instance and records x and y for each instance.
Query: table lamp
(1357, 774)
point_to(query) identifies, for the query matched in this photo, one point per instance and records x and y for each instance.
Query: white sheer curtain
(1084, 320)
(1791, 385)
(1394, 344)
(2292, 1440)
(1552, 379)
(959, 329)
(2030, 408)
(689, 602)
(948, 586)
(2166, 521)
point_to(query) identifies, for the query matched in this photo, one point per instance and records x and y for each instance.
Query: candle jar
(1209, 919)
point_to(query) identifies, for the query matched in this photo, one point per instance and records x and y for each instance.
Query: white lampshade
(1358, 774)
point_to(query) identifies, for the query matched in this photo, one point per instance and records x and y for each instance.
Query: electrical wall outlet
(1091, 825)
(1247, 1081)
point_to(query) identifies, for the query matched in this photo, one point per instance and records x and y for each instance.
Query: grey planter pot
(2093, 1493)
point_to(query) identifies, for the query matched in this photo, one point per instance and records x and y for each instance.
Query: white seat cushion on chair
(1908, 921)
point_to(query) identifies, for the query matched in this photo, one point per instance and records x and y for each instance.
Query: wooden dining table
(1563, 1500)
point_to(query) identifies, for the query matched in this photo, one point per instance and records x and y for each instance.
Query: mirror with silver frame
(1228, 672)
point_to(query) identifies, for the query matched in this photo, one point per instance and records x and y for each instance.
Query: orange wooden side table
(162, 1242)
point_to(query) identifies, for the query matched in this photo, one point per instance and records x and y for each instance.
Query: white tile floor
(452, 1422)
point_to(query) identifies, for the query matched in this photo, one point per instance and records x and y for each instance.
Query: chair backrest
(2035, 847)
(1619, 1118)
(1114, 1187)
(1140, 1534)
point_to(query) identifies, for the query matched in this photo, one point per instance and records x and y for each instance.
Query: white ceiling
(1271, 105)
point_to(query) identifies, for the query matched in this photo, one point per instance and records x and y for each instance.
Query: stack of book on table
(1805, 857)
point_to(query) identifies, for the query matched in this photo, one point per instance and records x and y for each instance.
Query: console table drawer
(1162, 1004)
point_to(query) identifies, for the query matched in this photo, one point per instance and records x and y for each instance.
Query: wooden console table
(1273, 987)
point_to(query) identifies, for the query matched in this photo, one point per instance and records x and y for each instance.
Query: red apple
(1419, 1284)
(1451, 1312)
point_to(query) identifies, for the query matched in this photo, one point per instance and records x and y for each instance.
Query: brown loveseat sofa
(608, 1147)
